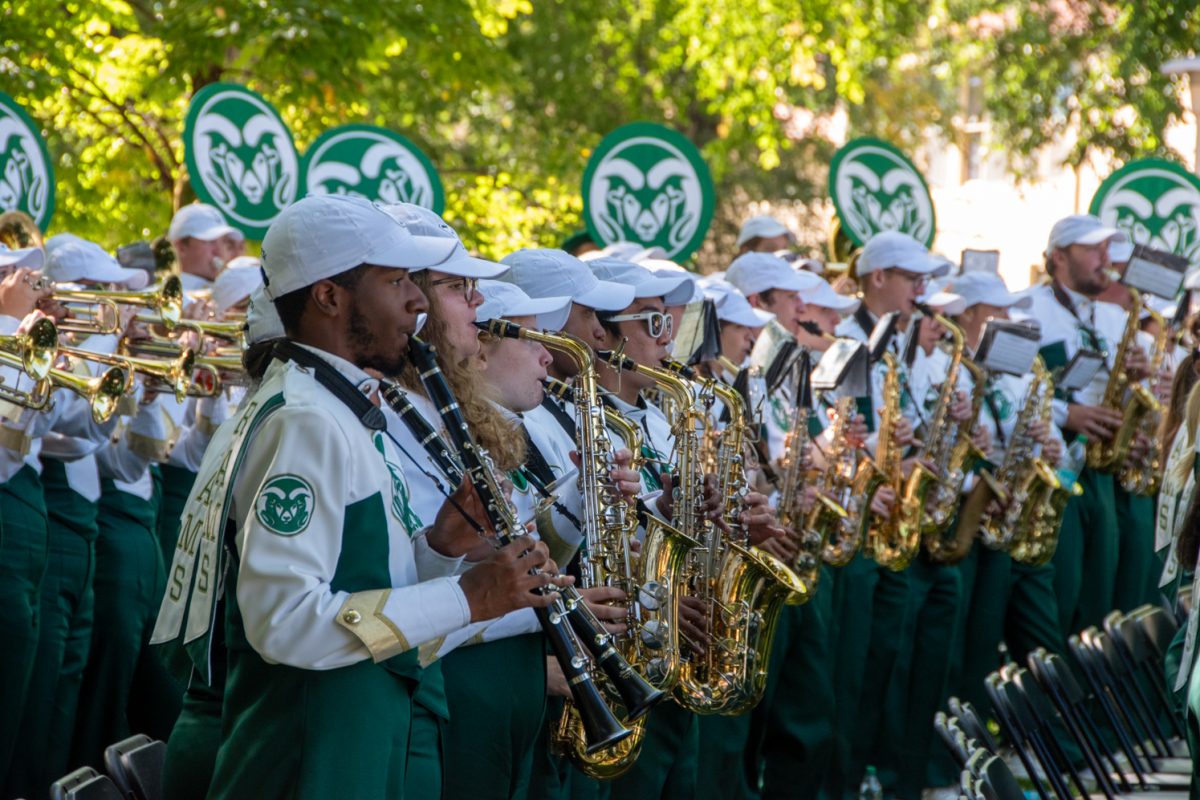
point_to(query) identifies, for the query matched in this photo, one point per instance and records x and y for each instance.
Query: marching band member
(1072, 319)
(324, 599)
(200, 237)
(872, 613)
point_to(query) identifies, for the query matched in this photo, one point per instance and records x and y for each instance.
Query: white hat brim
(30, 257)
(416, 253)
(607, 296)
(749, 317)
(465, 265)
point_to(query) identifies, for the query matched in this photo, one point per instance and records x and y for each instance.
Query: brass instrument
(744, 588)
(213, 371)
(98, 311)
(1040, 517)
(840, 522)
(19, 231)
(175, 374)
(651, 640)
(946, 543)
(1132, 400)
(1144, 476)
(103, 392)
(893, 541)
(32, 353)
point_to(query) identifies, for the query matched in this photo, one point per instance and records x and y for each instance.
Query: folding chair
(998, 781)
(1121, 683)
(85, 784)
(135, 765)
(1017, 726)
(1133, 645)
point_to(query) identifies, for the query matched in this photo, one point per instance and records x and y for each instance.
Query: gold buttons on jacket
(352, 617)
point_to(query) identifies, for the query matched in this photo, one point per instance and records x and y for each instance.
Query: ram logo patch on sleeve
(285, 505)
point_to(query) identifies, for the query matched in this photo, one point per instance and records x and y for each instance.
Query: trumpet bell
(103, 393)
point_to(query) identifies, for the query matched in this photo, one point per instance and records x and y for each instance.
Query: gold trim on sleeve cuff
(362, 614)
(149, 447)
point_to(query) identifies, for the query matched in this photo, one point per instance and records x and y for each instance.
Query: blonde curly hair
(500, 436)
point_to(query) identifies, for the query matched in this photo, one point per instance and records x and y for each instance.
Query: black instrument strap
(1064, 300)
(989, 399)
(564, 419)
(338, 384)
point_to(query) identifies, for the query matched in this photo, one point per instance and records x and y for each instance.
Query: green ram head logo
(875, 188)
(648, 184)
(285, 505)
(240, 156)
(375, 164)
(26, 175)
(1155, 203)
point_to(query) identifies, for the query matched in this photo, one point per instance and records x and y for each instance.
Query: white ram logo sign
(372, 163)
(875, 188)
(648, 189)
(26, 177)
(1155, 204)
(241, 157)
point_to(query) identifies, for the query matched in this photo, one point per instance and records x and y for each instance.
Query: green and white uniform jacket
(331, 564)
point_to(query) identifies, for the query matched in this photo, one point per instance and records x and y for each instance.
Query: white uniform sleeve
(290, 611)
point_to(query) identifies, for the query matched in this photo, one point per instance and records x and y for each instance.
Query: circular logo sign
(649, 185)
(373, 163)
(875, 188)
(26, 173)
(1155, 203)
(240, 156)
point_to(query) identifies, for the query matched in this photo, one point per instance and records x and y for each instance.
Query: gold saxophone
(893, 541)
(651, 641)
(946, 542)
(836, 518)
(1144, 476)
(1037, 524)
(1132, 401)
(742, 588)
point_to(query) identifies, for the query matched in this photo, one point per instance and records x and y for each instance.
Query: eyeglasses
(468, 286)
(657, 322)
(911, 277)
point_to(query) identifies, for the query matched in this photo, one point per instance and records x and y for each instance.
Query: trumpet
(175, 374)
(98, 311)
(103, 392)
(32, 353)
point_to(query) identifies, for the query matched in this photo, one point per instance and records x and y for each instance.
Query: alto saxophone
(1131, 400)
(945, 542)
(1142, 477)
(650, 643)
(743, 589)
(839, 522)
(894, 540)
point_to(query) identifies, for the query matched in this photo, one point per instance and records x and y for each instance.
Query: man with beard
(330, 581)
(1073, 319)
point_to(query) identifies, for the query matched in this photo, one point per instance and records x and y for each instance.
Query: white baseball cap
(761, 228)
(31, 257)
(987, 288)
(1120, 251)
(1191, 279)
(199, 221)
(236, 282)
(501, 299)
(732, 306)
(895, 250)
(675, 289)
(262, 320)
(422, 221)
(825, 296)
(71, 259)
(557, 273)
(1080, 229)
(751, 273)
(626, 251)
(320, 236)
(947, 303)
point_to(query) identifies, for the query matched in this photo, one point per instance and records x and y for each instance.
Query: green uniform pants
(126, 688)
(791, 730)
(497, 698)
(64, 638)
(195, 739)
(666, 769)
(1085, 564)
(1138, 569)
(23, 547)
(870, 607)
(919, 680)
(553, 777)
(721, 765)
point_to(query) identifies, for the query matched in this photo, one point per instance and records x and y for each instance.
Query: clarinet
(601, 727)
(423, 431)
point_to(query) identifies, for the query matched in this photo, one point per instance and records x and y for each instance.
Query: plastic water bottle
(1074, 461)
(870, 788)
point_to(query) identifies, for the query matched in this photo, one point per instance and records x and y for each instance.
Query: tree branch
(165, 165)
